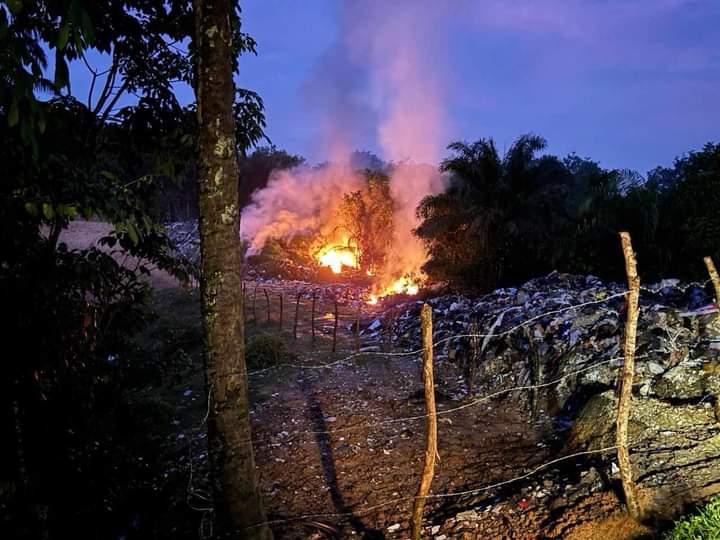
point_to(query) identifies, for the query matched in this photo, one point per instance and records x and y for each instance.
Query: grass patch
(704, 525)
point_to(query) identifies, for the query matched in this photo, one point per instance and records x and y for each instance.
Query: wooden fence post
(297, 310)
(625, 398)
(357, 326)
(312, 316)
(431, 422)
(281, 312)
(254, 298)
(335, 325)
(267, 301)
(714, 278)
(244, 302)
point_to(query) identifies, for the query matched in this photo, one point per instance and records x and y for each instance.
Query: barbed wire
(398, 500)
(297, 436)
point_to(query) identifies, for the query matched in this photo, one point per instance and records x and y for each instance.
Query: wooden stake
(625, 398)
(254, 298)
(244, 302)
(357, 326)
(335, 325)
(267, 301)
(714, 278)
(297, 310)
(431, 422)
(281, 312)
(312, 316)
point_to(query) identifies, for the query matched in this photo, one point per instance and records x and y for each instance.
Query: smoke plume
(384, 76)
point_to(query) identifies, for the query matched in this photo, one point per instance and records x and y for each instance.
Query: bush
(702, 526)
(265, 350)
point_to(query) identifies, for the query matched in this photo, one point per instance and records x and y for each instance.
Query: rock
(671, 445)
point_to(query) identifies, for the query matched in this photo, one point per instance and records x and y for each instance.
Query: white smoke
(385, 75)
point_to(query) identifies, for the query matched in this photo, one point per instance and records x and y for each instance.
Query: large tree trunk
(239, 512)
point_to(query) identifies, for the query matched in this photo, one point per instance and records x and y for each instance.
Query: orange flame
(403, 285)
(336, 257)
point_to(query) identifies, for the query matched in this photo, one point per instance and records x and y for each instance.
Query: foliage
(704, 525)
(368, 216)
(264, 349)
(77, 459)
(504, 220)
(498, 216)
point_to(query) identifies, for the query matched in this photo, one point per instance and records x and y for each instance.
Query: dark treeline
(505, 219)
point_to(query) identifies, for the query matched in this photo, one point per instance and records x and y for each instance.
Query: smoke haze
(383, 76)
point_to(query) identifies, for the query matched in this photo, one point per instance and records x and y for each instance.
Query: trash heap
(527, 336)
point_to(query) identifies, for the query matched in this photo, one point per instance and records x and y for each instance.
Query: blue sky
(631, 83)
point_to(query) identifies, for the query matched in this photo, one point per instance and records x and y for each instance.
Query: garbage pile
(566, 332)
(533, 335)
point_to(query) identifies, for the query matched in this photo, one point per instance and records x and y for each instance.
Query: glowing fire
(403, 285)
(336, 257)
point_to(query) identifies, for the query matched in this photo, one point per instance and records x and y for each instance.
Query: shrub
(265, 350)
(702, 526)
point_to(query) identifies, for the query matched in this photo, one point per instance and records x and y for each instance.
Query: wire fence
(352, 309)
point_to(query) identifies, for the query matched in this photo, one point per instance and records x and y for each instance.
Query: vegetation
(705, 525)
(503, 220)
(264, 350)
(368, 215)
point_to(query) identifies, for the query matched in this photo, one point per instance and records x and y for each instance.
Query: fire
(336, 257)
(403, 285)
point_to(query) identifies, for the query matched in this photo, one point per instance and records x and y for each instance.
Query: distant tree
(239, 510)
(498, 217)
(688, 222)
(256, 168)
(368, 216)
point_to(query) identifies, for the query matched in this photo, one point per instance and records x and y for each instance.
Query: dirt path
(82, 234)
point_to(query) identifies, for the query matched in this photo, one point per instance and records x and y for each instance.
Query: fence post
(625, 398)
(335, 325)
(267, 302)
(254, 298)
(714, 278)
(431, 422)
(281, 312)
(357, 326)
(312, 316)
(244, 302)
(297, 310)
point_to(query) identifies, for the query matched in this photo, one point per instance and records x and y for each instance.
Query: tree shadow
(327, 462)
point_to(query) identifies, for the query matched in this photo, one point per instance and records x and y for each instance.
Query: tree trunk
(239, 512)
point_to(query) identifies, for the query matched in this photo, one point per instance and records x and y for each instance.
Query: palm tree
(494, 222)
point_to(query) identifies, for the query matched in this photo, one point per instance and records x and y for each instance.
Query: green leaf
(87, 26)
(62, 75)
(133, 232)
(48, 211)
(63, 37)
(31, 208)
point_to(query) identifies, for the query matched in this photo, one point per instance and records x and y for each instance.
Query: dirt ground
(82, 234)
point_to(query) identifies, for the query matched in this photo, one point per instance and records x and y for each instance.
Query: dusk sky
(630, 83)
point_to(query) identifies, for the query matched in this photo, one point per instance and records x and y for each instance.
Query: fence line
(416, 352)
